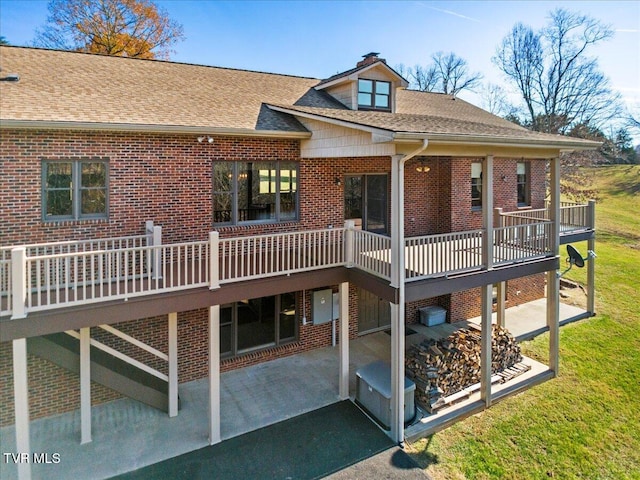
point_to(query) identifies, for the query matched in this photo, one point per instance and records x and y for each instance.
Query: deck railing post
(214, 260)
(148, 231)
(591, 214)
(498, 219)
(156, 256)
(349, 239)
(19, 282)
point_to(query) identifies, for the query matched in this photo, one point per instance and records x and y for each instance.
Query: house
(204, 214)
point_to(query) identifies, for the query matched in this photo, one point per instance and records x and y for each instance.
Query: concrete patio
(128, 435)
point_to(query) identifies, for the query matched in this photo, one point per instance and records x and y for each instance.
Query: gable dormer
(371, 85)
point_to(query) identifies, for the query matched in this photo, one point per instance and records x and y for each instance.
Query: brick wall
(167, 178)
(467, 304)
(52, 389)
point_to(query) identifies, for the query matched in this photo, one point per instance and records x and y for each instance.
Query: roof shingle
(80, 88)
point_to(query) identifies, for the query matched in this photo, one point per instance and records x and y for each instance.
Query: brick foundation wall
(467, 304)
(52, 389)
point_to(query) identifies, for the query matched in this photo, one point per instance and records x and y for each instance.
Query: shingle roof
(357, 69)
(79, 88)
(444, 116)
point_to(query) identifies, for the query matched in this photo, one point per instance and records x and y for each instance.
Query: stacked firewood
(445, 367)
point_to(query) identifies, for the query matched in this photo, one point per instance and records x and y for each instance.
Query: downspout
(397, 211)
(397, 281)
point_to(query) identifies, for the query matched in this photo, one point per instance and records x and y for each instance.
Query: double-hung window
(264, 191)
(374, 95)
(476, 185)
(75, 189)
(522, 175)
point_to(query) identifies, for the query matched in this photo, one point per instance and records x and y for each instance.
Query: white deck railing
(52, 276)
(371, 252)
(87, 277)
(573, 217)
(61, 248)
(443, 254)
(262, 256)
(517, 243)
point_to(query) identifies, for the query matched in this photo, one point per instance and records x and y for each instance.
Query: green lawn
(585, 423)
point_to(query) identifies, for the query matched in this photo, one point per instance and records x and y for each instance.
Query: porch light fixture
(338, 181)
(422, 167)
(208, 138)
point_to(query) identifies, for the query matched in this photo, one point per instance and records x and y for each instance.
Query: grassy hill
(586, 422)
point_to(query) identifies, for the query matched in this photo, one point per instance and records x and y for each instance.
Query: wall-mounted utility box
(432, 315)
(322, 306)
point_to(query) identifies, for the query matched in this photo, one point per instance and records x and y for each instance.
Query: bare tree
(495, 100)
(447, 73)
(453, 73)
(133, 28)
(426, 79)
(559, 83)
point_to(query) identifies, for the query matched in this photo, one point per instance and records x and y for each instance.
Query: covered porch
(128, 435)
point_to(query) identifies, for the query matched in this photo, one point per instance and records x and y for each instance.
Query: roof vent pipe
(10, 77)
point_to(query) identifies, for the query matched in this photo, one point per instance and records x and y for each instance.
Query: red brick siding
(165, 178)
(467, 304)
(52, 390)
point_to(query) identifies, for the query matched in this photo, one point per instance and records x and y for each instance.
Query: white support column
(19, 282)
(502, 297)
(214, 375)
(591, 264)
(487, 211)
(397, 311)
(349, 226)
(157, 252)
(343, 389)
(485, 345)
(21, 404)
(553, 281)
(214, 261)
(85, 385)
(172, 320)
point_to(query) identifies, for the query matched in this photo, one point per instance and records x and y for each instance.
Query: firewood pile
(446, 369)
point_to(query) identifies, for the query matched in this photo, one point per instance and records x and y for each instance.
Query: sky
(320, 38)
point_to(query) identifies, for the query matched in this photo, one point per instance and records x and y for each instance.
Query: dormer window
(374, 95)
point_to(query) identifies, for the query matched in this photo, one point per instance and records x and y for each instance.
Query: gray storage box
(373, 392)
(432, 315)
